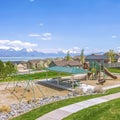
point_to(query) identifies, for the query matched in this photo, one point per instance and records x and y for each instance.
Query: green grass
(41, 75)
(32, 115)
(114, 70)
(35, 76)
(104, 111)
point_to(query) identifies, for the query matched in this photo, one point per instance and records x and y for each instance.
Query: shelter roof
(71, 70)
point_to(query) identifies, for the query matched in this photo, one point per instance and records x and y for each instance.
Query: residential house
(70, 63)
(38, 64)
(35, 64)
(76, 58)
(20, 65)
(97, 58)
(118, 58)
(101, 58)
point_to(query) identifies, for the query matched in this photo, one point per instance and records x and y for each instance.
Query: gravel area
(51, 94)
(17, 109)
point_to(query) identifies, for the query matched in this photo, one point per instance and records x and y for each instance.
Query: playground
(18, 97)
(8, 96)
(92, 74)
(18, 92)
(21, 93)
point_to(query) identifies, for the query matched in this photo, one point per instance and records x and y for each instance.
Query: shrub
(5, 108)
(78, 90)
(98, 89)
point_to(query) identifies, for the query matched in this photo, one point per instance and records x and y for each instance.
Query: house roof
(71, 70)
(98, 57)
(118, 56)
(66, 63)
(34, 61)
(19, 62)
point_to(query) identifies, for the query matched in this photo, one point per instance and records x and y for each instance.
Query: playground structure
(109, 73)
(98, 71)
(93, 71)
(69, 82)
(27, 90)
(30, 90)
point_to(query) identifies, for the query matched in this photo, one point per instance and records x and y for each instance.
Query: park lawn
(40, 75)
(104, 111)
(34, 76)
(114, 70)
(35, 113)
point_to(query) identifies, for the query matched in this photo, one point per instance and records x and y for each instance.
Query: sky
(60, 25)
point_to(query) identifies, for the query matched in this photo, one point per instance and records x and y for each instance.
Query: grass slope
(41, 75)
(114, 70)
(34, 76)
(104, 111)
(32, 115)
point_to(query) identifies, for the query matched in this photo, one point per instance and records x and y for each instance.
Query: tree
(82, 57)
(10, 68)
(111, 56)
(6, 70)
(68, 57)
(2, 70)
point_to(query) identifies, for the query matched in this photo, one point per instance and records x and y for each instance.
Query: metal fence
(113, 65)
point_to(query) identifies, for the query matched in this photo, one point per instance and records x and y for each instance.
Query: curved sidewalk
(63, 112)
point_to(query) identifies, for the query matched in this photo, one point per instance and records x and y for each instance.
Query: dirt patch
(21, 92)
(109, 82)
(25, 92)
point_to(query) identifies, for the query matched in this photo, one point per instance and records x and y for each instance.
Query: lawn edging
(103, 111)
(35, 113)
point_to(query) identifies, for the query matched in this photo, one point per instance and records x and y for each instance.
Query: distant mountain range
(25, 53)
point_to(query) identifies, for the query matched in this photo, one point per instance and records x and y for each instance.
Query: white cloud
(4, 47)
(77, 50)
(43, 36)
(4, 42)
(31, 0)
(46, 36)
(34, 35)
(114, 36)
(16, 44)
(41, 24)
(49, 50)
(71, 50)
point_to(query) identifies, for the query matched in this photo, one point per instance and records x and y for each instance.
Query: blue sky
(60, 25)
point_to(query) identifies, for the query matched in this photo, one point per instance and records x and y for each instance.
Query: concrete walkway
(110, 87)
(63, 112)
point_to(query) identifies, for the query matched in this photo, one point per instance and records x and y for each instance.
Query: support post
(72, 79)
(46, 76)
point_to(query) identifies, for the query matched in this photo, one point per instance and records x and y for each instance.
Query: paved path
(63, 112)
(110, 87)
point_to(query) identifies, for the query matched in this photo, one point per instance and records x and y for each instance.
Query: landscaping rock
(17, 109)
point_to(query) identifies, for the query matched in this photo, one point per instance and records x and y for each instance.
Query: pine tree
(82, 57)
(68, 57)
